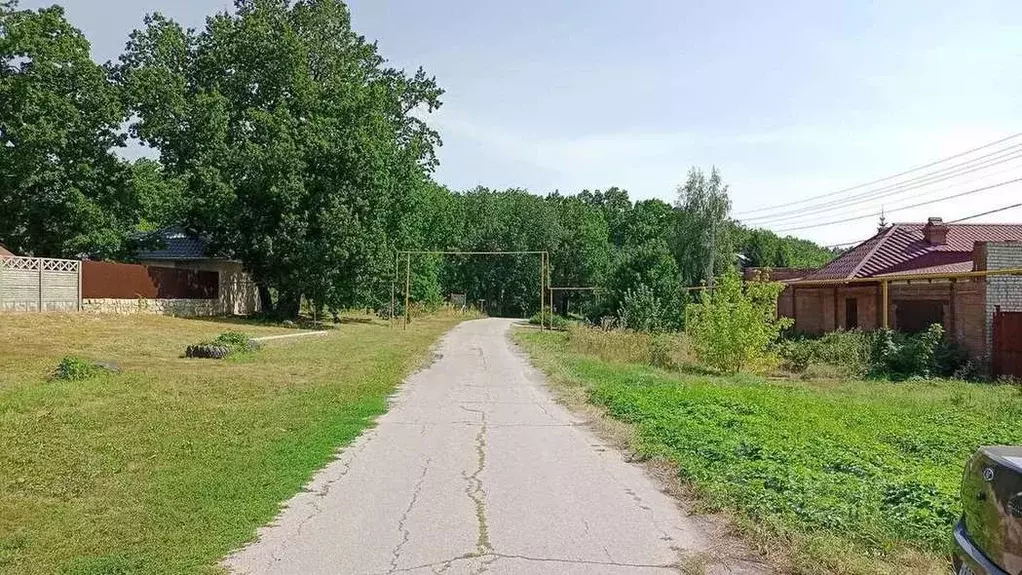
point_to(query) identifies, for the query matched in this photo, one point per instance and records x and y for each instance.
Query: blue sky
(789, 99)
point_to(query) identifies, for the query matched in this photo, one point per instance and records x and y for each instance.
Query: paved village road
(476, 469)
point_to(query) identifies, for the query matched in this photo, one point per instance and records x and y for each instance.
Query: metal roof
(172, 244)
(902, 248)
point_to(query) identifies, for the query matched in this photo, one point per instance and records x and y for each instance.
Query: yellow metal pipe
(408, 288)
(906, 277)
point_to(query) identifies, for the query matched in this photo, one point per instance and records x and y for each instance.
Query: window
(851, 313)
(914, 316)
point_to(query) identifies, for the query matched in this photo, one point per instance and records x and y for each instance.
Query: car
(988, 538)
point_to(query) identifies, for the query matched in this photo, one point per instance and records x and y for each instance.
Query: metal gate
(1007, 343)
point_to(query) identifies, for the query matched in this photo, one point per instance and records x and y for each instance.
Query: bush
(734, 328)
(642, 310)
(73, 368)
(849, 351)
(550, 320)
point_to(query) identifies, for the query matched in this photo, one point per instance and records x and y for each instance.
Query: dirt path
(476, 469)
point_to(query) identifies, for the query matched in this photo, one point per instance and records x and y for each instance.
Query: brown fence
(105, 280)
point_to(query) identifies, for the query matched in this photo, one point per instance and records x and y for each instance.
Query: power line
(927, 191)
(1005, 208)
(951, 197)
(952, 172)
(966, 218)
(877, 181)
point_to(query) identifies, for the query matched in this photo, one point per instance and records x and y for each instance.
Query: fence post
(39, 262)
(81, 264)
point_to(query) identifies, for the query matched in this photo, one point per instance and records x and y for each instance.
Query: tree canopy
(286, 141)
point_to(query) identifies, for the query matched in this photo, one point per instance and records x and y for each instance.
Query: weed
(73, 368)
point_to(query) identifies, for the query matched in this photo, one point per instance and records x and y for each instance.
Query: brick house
(918, 263)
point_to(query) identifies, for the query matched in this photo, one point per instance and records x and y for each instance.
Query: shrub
(661, 351)
(73, 368)
(642, 310)
(550, 320)
(849, 351)
(733, 328)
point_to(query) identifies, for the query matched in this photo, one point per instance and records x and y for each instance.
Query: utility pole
(408, 288)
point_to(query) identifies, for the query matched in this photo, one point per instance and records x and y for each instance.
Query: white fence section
(40, 284)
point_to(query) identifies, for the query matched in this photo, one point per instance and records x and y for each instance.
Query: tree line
(288, 143)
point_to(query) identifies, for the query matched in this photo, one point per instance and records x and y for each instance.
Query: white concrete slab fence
(40, 284)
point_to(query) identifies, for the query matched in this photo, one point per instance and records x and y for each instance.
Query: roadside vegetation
(171, 463)
(843, 476)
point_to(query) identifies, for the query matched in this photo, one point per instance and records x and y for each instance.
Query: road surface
(476, 469)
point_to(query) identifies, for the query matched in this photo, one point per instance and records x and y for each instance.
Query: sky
(789, 100)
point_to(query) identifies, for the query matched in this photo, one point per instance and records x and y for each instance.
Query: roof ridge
(862, 262)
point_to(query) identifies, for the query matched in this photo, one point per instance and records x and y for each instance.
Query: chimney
(935, 232)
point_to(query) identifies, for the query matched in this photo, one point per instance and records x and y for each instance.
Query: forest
(283, 137)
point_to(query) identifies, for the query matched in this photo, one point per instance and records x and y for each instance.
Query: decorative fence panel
(40, 284)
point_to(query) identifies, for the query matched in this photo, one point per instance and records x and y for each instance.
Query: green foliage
(765, 249)
(841, 472)
(850, 351)
(651, 266)
(64, 192)
(882, 354)
(224, 345)
(73, 368)
(550, 320)
(899, 356)
(733, 329)
(703, 243)
(642, 310)
(297, 143)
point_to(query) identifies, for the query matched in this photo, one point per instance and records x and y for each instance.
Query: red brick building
(848, 292)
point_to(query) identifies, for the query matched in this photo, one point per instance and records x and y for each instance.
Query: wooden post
(408, 288)
(884, 312)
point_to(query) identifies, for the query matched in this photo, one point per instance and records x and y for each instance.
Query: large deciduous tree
(63, 192)
(297, 144)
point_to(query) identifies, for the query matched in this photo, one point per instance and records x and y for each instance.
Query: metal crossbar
(544, 276)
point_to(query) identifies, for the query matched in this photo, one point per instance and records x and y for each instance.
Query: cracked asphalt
(476, 469)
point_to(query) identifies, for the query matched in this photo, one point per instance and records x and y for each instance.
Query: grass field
(827, 477)
(169, 465)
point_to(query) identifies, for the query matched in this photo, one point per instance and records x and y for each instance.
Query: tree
(298, 145)
(650, 265)
(64, 192)
(732, 328)
(703, 244)
(581, 253)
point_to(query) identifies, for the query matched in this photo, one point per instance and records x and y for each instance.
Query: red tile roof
(901, 248)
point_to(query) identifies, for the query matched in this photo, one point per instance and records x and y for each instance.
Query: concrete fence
(40, 284)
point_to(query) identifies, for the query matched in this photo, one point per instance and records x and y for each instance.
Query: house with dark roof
(174, 247)
(924, 270)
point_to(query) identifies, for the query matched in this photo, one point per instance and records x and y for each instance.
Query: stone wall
(178, 307)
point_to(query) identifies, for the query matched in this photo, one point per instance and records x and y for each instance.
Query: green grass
(168, 466)
(831, 477)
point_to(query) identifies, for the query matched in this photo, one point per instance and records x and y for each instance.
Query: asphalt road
(476, 469)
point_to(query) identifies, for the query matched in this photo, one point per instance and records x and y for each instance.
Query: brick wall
(817, 310)
(1001, 291)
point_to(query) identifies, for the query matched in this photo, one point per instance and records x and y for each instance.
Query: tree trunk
(265, 299)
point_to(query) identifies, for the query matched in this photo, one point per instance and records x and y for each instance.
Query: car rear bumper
(967, 555)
